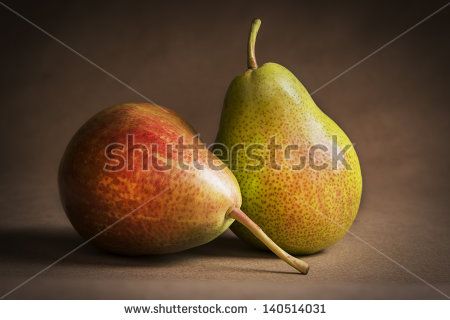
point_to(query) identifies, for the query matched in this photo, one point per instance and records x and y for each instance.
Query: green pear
(131, 183)
(304, 208)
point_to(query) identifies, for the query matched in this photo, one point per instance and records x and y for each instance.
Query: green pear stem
(241, 217)
(251, 58)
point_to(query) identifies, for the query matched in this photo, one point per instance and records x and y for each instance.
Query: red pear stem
(240, 216)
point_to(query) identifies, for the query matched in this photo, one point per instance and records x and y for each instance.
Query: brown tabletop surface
(394, 106)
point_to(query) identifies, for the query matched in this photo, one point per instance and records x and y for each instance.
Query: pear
(303, 208)
(131, 183)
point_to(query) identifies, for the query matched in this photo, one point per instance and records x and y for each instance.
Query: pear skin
(303, 209)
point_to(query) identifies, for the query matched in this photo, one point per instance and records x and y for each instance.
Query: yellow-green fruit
(304, 209)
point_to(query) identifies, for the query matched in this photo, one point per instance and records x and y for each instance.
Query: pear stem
(251, 58)
(241, 217)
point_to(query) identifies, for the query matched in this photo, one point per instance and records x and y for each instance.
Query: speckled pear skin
(303, 211)
(192, 210)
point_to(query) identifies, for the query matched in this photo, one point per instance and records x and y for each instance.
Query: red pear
(135, 179)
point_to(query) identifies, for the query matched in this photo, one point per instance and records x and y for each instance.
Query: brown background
(394, 107)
